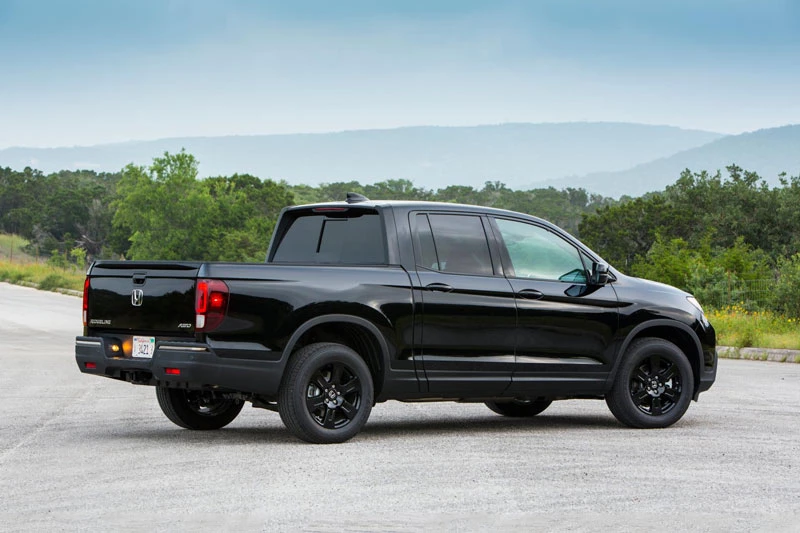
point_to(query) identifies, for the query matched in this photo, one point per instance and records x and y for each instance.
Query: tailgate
(142, 297)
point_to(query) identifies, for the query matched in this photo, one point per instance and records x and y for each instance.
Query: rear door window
(454, 244)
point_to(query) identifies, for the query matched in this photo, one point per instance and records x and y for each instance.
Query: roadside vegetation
(727, 238)
(740, 328)
(164, 211)
(44, 276)
(17, 266)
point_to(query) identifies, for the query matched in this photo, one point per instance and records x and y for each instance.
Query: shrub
(787, 288)
(53, 281)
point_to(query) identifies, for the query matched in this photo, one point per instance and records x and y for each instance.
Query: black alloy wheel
(334, 395)
(202, 410)
(653, 386)
(327, 393)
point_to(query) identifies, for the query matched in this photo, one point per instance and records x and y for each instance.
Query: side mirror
(599, 274)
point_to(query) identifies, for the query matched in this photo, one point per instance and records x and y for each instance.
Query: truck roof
(420, 204)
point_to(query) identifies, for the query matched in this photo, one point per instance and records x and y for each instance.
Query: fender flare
(698, 356)
(350, 319)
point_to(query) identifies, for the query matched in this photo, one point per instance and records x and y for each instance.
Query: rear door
(469, 316)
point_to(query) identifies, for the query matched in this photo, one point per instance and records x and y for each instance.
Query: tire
(653, 386)
(202, 410)
(519, 408)
(327, 393)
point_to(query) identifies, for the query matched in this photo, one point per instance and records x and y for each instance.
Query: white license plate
(144, 347)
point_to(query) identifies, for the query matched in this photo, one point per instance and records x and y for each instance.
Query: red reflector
(90, 366)
(85, 299)
(172, 371)
(201, 305)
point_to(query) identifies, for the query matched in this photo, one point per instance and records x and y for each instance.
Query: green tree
(170, 214)
(622, 233)
(165, 210)
(248, 209)
(787, 289)
(395, 190)
(668, 261)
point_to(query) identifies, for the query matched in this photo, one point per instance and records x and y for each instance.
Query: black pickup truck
(366, 301)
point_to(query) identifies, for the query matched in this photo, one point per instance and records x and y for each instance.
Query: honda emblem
(137, 297)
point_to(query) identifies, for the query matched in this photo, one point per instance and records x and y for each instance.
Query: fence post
(729, 288)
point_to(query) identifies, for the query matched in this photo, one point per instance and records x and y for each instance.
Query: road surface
(81, 452)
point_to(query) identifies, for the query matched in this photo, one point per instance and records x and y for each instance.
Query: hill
(430, 156)
(768, 152)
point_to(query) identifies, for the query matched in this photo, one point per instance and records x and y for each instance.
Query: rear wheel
(519, 408)
(327, 393)
(202, 410)
(653, 386)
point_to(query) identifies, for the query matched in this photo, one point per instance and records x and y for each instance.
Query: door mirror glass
(599, 274)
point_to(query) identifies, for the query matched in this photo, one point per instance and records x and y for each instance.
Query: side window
(540, 254)
(458, 242)
(426, 256)
(354, 239)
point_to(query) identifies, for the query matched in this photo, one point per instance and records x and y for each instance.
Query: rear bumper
(196, 364)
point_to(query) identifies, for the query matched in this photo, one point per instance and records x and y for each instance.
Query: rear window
(352, 238)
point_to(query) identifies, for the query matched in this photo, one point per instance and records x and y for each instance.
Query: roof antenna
(354, 198)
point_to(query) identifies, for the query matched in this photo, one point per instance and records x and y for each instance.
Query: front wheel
(519, 408)
(327, 393)
(653, 386)
(202, 410)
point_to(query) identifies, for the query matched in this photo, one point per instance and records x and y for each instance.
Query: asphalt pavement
(79, 452)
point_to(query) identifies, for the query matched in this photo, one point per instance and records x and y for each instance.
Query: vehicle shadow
(229, 435)
(375, 429)
(488, 424)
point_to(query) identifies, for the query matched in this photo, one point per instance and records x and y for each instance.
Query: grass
(760, 329)
(11, 249)
(46, 276)
(18, 267)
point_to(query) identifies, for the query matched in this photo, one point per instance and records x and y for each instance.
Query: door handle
(530, 294)
(441, 287)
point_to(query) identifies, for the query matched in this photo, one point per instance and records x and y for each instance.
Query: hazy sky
(86, 72)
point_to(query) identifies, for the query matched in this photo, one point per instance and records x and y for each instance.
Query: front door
(565, 326)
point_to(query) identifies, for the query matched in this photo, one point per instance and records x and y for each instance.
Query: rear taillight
(211, 304)
(85, 300)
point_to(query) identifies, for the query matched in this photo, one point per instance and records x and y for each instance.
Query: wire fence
(752, 295)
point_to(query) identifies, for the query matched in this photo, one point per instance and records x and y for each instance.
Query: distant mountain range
(768, 152)
(608, 158)
(430, 156)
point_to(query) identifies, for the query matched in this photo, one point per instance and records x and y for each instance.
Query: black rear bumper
(192, 366)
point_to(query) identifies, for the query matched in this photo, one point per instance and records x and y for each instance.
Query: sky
(85, 72)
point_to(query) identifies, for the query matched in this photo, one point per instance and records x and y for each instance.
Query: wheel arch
(675, 332)
(357, 333)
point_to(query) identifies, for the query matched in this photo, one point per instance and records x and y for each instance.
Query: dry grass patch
(46, 276)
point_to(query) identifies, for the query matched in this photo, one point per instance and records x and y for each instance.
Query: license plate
(144, 347)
